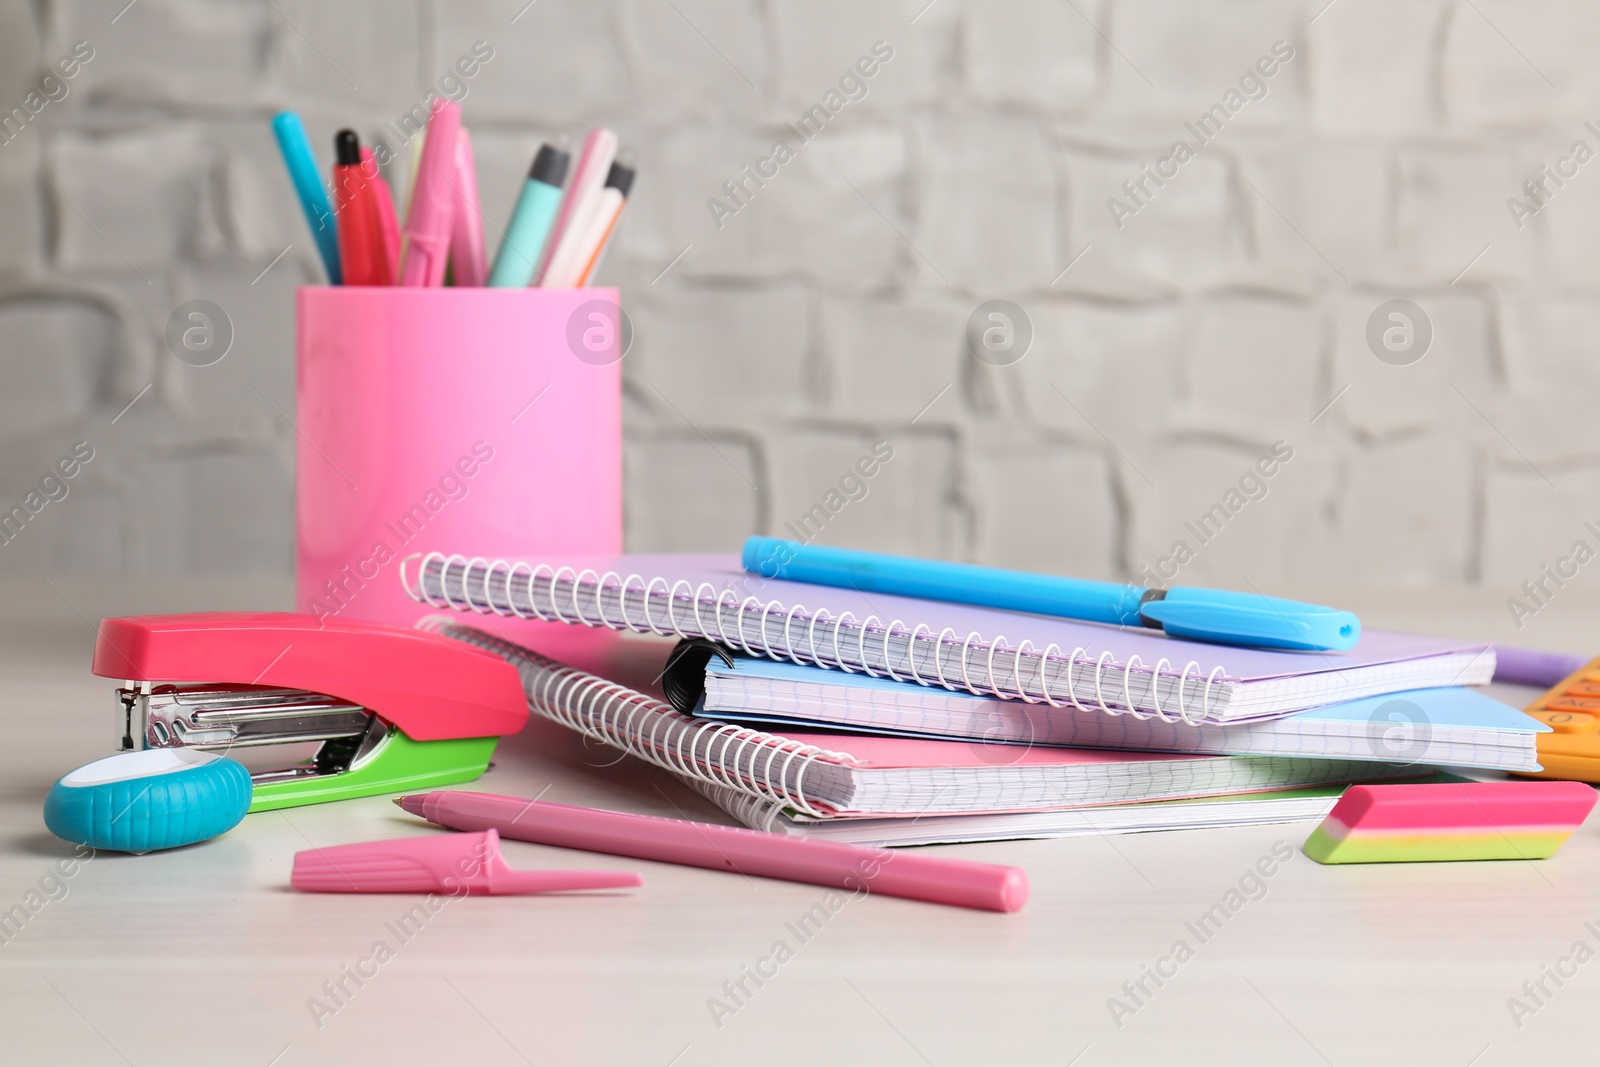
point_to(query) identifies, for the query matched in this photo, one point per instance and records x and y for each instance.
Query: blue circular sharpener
(150, 800)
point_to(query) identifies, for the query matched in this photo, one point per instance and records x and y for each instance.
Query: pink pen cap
(452, 864)
(433, 199)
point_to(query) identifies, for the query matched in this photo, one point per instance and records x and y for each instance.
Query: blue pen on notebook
(1215, 615)
(302, 164)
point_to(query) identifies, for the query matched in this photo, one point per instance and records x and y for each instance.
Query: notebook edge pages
(1239, 810)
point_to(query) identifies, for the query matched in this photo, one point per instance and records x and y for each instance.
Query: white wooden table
(204, 956)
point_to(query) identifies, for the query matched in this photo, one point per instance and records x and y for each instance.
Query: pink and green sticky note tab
(1451, 821)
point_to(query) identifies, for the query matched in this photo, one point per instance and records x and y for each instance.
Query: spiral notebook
(1454, 726)
(830, 775)
(984, 651)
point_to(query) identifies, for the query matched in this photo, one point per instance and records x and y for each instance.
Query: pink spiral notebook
(985, 651)
(903, 776)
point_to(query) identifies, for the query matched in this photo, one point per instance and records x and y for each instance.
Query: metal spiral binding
(680, 609)
(717, 754)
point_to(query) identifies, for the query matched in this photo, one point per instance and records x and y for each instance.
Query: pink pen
(937, 880)
(466, 236)
(387, 222)
(427, 234)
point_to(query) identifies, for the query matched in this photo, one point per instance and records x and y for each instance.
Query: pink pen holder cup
(485, 422)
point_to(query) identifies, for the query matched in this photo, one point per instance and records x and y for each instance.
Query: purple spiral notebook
(1061, 662)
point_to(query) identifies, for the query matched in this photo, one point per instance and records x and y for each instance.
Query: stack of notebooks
(895, 721)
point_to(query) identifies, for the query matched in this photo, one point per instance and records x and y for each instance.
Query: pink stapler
(317, 710)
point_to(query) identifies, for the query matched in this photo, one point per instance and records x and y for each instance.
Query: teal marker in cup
(531, 220)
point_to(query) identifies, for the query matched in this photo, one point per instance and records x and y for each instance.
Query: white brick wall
(1224, 315)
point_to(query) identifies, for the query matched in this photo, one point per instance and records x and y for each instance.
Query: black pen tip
(346, 148)
(620, 178)
(550, 166)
